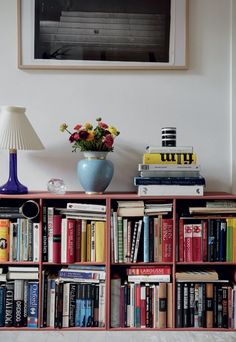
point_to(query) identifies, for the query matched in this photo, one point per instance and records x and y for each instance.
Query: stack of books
(169, 171)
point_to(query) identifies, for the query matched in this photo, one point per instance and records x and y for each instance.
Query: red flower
(108, 140)
(102, 125)
(74, 137)
(77, 127)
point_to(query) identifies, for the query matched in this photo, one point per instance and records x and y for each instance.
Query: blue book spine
(33, 302)
(169, 180)
(76, 274)
(2, 305)
(146, 238)
(78, 306)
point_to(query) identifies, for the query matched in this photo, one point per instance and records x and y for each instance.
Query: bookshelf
(118, 274)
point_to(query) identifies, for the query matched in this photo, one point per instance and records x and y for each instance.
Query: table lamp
(16, 133)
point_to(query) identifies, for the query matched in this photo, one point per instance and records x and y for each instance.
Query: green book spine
(229, 240)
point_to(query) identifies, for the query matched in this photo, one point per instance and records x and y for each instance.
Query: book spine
(99, 241)
(209, 305)
(196, 305)
(72, 303)
(151, 239)
(169, 180)
(169, 305)
(217, 240)
(115, 300)
(102, 291)
(33, 304)
(18, 303)
(188, 242)
(197, 242)
(88, 242)
(83, 240)
(36, 242)
(201, 305)
(181, 240)
(4, 239)
(167, 240)
(2, 304)
(223, 240)
(70, 248)
(170, 190)
(9, 304)
(179, 305)
(229, 240)
(204, 240)
(148, 270)
(56, 253)
(50, 213)
(137, 241)
(87, 207)
(185, 305)
(135, 231)
(137, 309)
(211, 239)
(143, 305)
(169, 158)
(162, 305)
(66, 305)
(78, 225)
(45, 236)
(191, 304)
(120, 239)
(146, 238)
(225, 307)
(93, 241)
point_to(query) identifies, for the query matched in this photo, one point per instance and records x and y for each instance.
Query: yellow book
(84, 241)
(234, 240)
(169, 158)
(4, 239)
(88, 248)
(100, 241)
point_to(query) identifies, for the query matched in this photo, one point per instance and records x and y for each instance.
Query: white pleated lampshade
(16, 131)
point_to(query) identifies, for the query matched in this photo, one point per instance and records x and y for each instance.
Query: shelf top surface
(112, 195)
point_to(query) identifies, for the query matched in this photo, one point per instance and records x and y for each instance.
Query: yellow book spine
(169, 158)
(234, 240)
(83, 240)
(4, 239)
(88, 242)
(100, 241)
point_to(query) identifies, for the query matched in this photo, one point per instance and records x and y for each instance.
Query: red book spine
(197, 242)
(137, 310)
(145, 270)
(143, 305)
(188, 242)
(181, 240)
(167, 240)
(204, 240)
(56, 247)
(70, 251)
(78, 224)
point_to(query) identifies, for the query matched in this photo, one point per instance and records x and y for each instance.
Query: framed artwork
(101, 34)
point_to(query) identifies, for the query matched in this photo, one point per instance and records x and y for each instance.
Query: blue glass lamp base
(13, 186)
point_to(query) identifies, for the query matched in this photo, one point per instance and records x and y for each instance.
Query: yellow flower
(63, 127)
(90, 137)
(88, 126)
(113, 130)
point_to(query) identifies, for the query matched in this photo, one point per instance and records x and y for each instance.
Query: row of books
(205, 305)
(211, 240)
(169, 171)
(145, 302)
(147, 239)
(73, 298)
(19, 240)
(19, 303)
(73, 238)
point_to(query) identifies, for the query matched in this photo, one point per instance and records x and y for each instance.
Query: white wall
(139, 103)
(196, 101)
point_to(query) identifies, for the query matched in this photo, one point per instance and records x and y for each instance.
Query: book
(197, 275)
(23, 269)
(36, 242)
(4, 239)
(154, 278)
(130, 208)
(18, 303)
(169, 158)
(169, 167)
(169, 180)
(99, 241)
(170, 173)
(2, 304)
(188, 242)
(22, 275)
(169, 149)
(87, 207)
(167, 239)
(9, 304)
(148, 270)
(56, 244)
(115, 300)
(32, 304)
(170, 190)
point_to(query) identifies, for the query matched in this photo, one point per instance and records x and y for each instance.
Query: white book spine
(115, 300)
(112, 239)
(36, 242)
(171, 167)
(11, 241)
(87, 207)
(152, 278)
(140, 222)
(93, 223)
(115, 237)
(63, 239)
(132, 305)
(170, 190)
(66, 305)
(166, 149)
(101, 312)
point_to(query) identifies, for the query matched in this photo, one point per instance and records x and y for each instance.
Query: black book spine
(2, 304)
(224, 307)
(150, 307)
(151, 239)
(217, 240)
(89, 318)
(215, 305)
(185, 305)
(147, 306)
(25, 313)
(211, 240)
(125, 303)
(223, 240)
(191, 304)
(72, 304)
(220, 307)
(202, 305)
(9, 313)
(179, 305)
(60, 305)
(96, 306)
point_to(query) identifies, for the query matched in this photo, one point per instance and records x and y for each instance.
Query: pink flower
(77, 127)
(74, 137)
(108, 140)
(102, 125)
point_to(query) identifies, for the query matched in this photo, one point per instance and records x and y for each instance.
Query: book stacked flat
(169, 171)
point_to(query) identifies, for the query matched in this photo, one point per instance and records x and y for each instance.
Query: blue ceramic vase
(95, 172)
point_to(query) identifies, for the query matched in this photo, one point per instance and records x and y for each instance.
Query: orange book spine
(4, 239)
